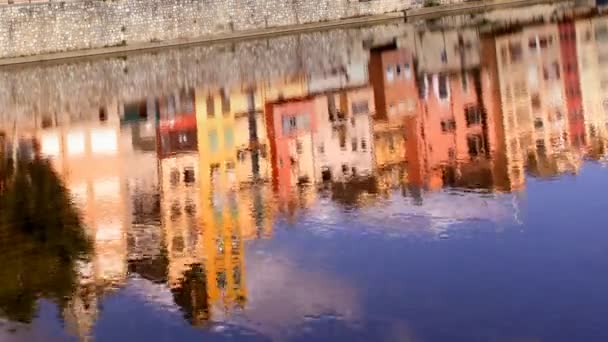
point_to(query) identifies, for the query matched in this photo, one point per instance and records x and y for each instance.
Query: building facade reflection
(172, 187)
(91, 159)
(392, 75)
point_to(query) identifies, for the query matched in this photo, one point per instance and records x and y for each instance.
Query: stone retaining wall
(76, 90)
(32, 29)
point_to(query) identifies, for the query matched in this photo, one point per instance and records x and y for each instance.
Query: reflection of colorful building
(392, 76)
(508, 164)
(180, 206)
(232, 131)
(450, 136)
(532, 93)
(178, 162)
(223, 250)
(102, 165)
(232, 143)
(210, 274)
(291, 125)
(436, 132)
(343, 139)
(177, 124)
(475, 133)
(257, 210)
(90, 159)
(592, 50)
(572, 86)
(216, 140)
(253, 162)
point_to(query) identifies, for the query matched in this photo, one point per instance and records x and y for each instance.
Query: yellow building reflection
(227, 168)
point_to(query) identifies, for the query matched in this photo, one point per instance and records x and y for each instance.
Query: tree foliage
(41, 238)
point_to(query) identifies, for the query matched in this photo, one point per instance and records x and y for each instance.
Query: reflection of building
(392, 76)
(212, 273)
(106, 170)
(325, 136)
(216, 140)
(145, 236)
(179, 209)
(432, 139)
(253, 163)
(448, 142)
(223, 250)
(91, 159)
(180, 202)
(592, 49)
(291, 125)
(572, 86)
(256, 208)
(206, 266)
(205, 248)
(177, 126)
(532, 94)
(178, 161)
(232, 131)
(342, 141)
(508, 163)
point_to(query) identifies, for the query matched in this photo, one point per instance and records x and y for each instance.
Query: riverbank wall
(44, 28)
(38, 28)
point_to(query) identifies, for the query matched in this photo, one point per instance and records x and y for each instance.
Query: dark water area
(429, 181)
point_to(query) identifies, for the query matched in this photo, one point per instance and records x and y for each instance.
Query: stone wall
(76, 90)
(63, 26)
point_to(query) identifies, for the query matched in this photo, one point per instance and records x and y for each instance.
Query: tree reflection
(41, 238)
(191, 295)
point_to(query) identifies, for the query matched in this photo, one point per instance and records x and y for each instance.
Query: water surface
(429, 181)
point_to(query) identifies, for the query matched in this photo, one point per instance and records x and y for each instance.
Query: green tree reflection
(41, 238)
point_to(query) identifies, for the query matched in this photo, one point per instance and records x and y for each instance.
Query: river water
(438, 180)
